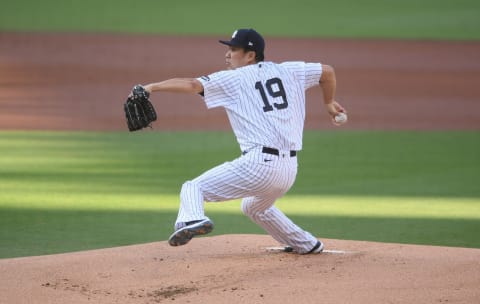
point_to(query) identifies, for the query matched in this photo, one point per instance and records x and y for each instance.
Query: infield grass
(65, 191)
(408, 19)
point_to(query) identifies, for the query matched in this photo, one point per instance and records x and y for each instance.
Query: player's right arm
(328, 82)
(176, 85)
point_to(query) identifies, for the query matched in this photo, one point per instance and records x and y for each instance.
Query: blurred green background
(412, 19)
(64, 191)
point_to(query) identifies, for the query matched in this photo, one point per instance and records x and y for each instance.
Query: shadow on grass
(27, 232)
(372, 163)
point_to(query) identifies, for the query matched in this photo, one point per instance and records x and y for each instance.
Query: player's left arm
(176, 85)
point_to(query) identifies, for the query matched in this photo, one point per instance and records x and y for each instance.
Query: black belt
(276, 152)
(273, 151)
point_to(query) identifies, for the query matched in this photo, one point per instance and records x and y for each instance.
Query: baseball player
(265, 104)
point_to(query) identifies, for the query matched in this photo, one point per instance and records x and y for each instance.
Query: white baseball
(341, 118)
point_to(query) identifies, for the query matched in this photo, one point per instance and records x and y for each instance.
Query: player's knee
(247, 207)
(252, 208)
(185, 186)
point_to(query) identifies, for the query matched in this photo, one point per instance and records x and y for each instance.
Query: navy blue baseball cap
(248, 39)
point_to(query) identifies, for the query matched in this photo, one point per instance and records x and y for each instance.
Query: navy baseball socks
(183, 235)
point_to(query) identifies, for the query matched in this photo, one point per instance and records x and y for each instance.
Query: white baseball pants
(260, 179)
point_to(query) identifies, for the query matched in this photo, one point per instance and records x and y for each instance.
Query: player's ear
(251, 56)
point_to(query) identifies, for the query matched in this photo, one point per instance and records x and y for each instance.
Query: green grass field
(408, 19)
(64, 191)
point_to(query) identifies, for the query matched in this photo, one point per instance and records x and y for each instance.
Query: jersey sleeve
(308, 73)
(313, 72)
(220, 89)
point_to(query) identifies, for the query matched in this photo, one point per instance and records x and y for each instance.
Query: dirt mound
(240, 269)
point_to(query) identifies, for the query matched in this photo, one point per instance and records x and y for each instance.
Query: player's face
(237, 57)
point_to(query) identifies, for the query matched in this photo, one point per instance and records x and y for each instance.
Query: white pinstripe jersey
(265, 102)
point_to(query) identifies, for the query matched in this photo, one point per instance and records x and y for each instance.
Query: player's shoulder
(268, 65)
(293, 64)
(302, 67)
(221, 75)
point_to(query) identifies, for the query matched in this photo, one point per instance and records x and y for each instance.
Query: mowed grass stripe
(111, 189)
(429, 164)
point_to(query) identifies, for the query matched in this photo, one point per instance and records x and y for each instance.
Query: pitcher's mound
(240, 269)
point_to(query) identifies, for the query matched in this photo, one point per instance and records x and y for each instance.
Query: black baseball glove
(139, 111)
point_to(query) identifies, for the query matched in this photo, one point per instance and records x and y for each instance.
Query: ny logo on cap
(234, 34)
